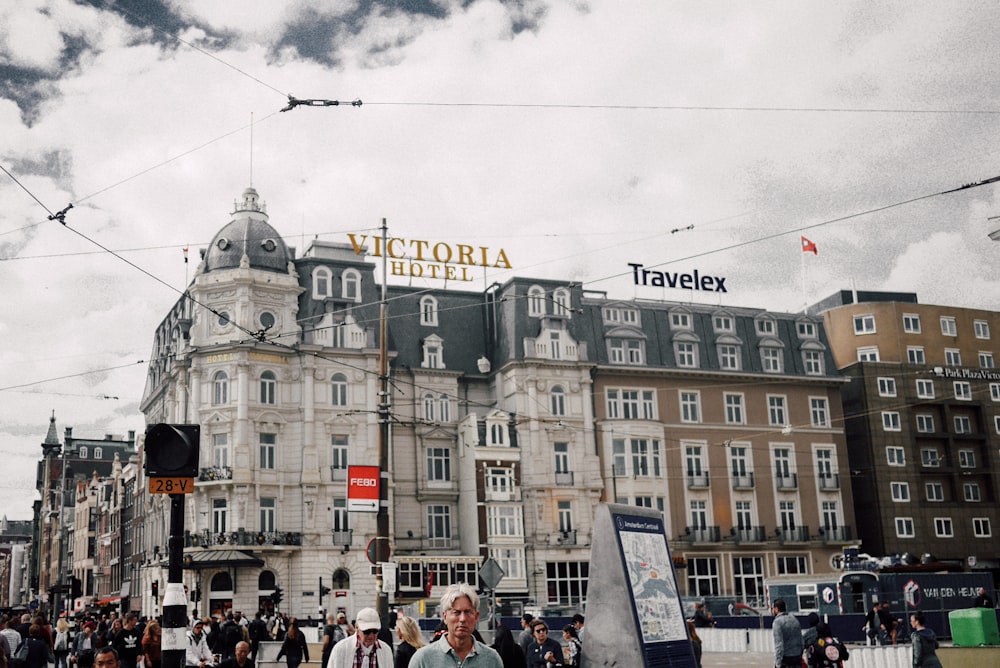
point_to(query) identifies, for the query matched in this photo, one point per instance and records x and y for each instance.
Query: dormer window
(536, 301)
(351, 280)
(561, 302)
(322, 283)
(723, 324)
(428, 311)
(433, 352)
(680, 320)
(806, 329)
(765, 326)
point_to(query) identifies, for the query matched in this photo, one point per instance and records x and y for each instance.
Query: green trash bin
(974, 627)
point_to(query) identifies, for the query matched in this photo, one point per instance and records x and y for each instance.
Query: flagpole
(802, 262)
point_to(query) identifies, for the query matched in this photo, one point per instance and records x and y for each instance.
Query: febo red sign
(362, 488)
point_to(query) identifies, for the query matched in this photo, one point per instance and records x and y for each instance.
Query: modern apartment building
(922, 413)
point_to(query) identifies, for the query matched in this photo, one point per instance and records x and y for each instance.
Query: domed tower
(260, 297)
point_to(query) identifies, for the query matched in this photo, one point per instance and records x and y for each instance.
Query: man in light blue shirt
(460, 611)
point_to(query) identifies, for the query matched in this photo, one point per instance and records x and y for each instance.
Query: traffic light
(172, 450)
(323, 591)
(276, 596)
(75, 587)
(156, 590)
(196, 594)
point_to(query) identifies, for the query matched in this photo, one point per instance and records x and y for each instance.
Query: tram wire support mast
(384, 415)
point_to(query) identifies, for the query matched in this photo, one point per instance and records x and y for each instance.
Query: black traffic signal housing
(156, 590)
(75, 587)
(276, 596)
(323, 591)
(196, 594)
(171, 450)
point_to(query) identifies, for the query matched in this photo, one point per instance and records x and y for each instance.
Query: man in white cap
(363, 649)
(458, 647)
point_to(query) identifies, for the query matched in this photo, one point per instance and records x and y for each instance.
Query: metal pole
(174, 633)
(382, 518)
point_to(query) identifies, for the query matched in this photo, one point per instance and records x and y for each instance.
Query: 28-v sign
(362, 488)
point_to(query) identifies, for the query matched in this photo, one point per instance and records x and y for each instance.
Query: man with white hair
(460, 612)
(363, 649)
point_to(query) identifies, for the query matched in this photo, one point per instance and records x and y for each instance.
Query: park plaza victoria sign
(422, 259)
(363, 488)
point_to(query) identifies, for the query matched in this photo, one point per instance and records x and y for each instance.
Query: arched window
(268, 387)
(561, 302)
(98, 453)
(220, 388)
(266, 581)
(444, 408)
(83, 452)
(352, 285)
(429, 407)
(428, 311)
(558, 401)
(221, 582)
(338, 386)
(322, 283)
(536, 301)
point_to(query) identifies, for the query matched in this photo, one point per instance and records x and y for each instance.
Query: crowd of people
(132, 641)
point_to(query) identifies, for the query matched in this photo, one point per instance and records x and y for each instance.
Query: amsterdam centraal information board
(634, 612)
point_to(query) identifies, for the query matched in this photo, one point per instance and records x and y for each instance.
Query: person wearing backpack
(61, 645)
(231, 634)
(826, 651)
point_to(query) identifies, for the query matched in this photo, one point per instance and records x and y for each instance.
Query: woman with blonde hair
(409, 633)
(151, 645)
(61, 644)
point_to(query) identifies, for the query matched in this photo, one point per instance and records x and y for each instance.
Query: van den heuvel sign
(418, 258)
(671, 279)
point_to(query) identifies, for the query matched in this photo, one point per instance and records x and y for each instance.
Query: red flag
(185, 255)
(809, 247)
(428, 583)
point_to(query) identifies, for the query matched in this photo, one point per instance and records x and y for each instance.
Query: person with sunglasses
(543, 652)
(363, 649)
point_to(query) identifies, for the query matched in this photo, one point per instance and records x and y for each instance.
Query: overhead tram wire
(797, 230)
(677, 107)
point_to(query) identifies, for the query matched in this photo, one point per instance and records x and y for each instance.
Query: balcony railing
(242, 538)
(839, 534)
(786, 481)
(757, 534)
(828, 481)
(564, 479)
(211, 473)
(343, 538)
(509, 494)
(566, 537)
(744, 481)
(703, 534)
(697, 480)
(792, 534)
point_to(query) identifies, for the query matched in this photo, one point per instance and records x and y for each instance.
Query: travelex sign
(670, 279)
(418, 258)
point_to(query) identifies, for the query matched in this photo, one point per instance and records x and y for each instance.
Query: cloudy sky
(578, 136)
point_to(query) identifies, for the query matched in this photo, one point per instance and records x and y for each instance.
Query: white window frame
(438, 465)
(268, 388)
(777, 410)
(439, 524)
(220, 516)
(966, 459)
(911, 323)
(267, 451)
(948, 326)
(268, 507)
(686, 354)
(351, 285)
(680, 320)
(886, 386)
(723, 324)
(322, 283)
(930, 458)
(952, 357)
(864, 323)
(900, 492)
(428, 311)
(986, 360)
(735, 408)
(981, 527)
(963, 390)
(944, 527)
(925, 389)
(981, 328)
(536, 301)
(772, 359)
(925, 423)
(690, 405)
(557, 401)
(730, 356)
(339, 390)
(971, 492)
(995, 391)
(813, 362)
(765, 326)
(891, 421)
(904, 527)
(963, 424)
(868, 354)
(895, 455)
(915, 355)
(819, 412)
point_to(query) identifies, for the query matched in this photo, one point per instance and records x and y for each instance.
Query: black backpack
(233, 634)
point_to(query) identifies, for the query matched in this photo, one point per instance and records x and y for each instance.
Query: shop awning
(196, 559)
(109, 600)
